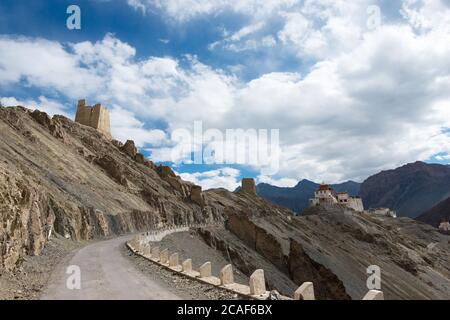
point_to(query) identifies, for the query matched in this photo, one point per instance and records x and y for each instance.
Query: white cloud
(138, 5)
(282, 182)
(445, 157)
(238, 42)
(227, 178)
(312, 28)
(426, 15)
(183, 10)
(373, 99)
(124, 126)
(43, 63)
(51, 107)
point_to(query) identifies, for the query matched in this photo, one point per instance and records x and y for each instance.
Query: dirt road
(105, 274)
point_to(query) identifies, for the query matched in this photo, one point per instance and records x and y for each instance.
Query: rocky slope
(332, 247)
(60, 176)
(437, 214)
(297, 198)
(57, 176)
(410, 190)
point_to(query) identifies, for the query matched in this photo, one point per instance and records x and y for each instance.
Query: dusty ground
(29, 280)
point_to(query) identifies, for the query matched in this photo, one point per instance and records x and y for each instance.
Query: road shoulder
(29, 281)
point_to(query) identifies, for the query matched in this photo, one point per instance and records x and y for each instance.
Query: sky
(349, 88)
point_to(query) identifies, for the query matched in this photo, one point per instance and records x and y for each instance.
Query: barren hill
(57, 176)
(437, 214)
(410, 190)
(332, 247)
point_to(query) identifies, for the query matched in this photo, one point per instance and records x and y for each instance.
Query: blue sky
(353, 87)
(147, 33)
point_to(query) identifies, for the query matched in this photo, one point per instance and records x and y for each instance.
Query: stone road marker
(205, 270)
(305, 292)
(374, 295)
(226, 275)
(257, 283)
(164, 256)
(173, 260)
(187, 265)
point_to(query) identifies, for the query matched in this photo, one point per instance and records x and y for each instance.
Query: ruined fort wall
(356, 204)
(83, 115)
(96, 117)
(100, 119)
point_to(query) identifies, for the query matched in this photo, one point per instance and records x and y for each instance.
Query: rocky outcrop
(139, 158)
(53, 125)
(129, 148)
(246, 259)
(113, 168)
(197, 196)
(26, 220)
(303, 269)
(293, 262)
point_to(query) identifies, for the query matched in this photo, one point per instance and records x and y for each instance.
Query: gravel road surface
(106, 273)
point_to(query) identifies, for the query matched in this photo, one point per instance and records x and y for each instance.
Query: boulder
(129, 148)
(42, 118)
(165, 171)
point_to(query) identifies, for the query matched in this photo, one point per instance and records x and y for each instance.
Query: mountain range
(411, 190)
(437, 214)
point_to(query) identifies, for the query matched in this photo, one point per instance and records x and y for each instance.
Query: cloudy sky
(354, 87)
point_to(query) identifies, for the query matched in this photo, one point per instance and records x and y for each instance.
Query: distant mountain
(410, 190)
(296, 198)
(437, 214)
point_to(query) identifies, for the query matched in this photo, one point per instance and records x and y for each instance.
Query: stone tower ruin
(248, 185)
(96, 117)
